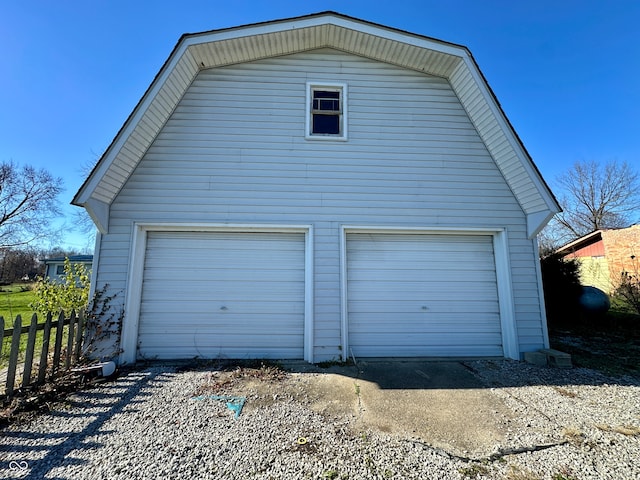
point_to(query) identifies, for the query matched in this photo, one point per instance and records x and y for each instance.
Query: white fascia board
(328, 19)
(514, 142)
(130, 125)
(221, 227)
(430, 230)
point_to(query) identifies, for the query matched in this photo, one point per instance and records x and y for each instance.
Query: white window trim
(140, 230)
(510, 343)
(342, 87)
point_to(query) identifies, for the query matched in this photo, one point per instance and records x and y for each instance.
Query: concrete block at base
(536, 358)
(556, 358)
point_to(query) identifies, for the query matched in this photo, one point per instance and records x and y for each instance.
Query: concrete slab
(440, 403)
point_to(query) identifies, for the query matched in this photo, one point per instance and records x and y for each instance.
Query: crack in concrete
(500, 454)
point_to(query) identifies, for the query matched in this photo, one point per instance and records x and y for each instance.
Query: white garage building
(316, 188)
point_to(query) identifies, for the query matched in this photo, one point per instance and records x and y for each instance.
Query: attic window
(326, 111)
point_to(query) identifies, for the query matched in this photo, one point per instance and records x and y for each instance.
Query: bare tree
(19, 264)
(28, 204)
(597, 196)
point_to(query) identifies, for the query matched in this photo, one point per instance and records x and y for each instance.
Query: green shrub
(72, 293)
(562, 290)
(629, 288)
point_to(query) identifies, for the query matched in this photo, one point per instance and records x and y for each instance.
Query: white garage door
(222, 295)
(422, 295)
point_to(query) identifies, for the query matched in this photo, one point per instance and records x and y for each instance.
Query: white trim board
(129, 336)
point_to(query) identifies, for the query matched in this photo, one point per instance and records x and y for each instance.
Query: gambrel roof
(195, 52)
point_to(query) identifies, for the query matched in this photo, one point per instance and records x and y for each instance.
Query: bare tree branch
(28, 204)
(598, 196)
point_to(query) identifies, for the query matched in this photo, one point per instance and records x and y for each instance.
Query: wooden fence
(54, 354)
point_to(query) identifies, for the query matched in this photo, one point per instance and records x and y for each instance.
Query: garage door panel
(204, 320)
(207, 350)
(446, 338)
(207, 309)
(422, 295)
(473, 311)
(202, 340)
(188, 278)
(412, 327)
(428, 289)
(223, 294)
(444, 351)
(219, 291)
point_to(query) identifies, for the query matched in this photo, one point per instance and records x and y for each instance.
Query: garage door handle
(424, 307)
(223, 307)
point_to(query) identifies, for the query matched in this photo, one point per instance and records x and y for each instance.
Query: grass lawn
(15, 300)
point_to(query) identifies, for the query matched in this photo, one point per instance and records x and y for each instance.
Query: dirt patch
(30, 402)
(611, 354)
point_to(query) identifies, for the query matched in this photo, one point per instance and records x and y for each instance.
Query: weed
(265, 371)
(334, 363)
(357, 387)
(565, 393)
(387, 473)
(629, 430)
(227, 376)
(330, 474)
(103, 321)
(519, 473)
(565, 473)
(574, 435)
(370, 464)
(474, 470)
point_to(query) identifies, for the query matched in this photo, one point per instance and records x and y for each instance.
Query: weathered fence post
(70, 336)
(79, 332)
(13, 355)
(44, 354)
(28, 356)
(58, 345)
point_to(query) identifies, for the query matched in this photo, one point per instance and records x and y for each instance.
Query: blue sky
(565, 71)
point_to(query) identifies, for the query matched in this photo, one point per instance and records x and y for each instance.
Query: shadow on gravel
(30, 455)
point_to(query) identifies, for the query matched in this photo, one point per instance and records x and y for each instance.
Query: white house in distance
(54, 267)
(316, 188)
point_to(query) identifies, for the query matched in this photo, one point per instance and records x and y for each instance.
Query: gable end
(196, 52)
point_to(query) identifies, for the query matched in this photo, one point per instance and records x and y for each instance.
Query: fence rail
(46, 359)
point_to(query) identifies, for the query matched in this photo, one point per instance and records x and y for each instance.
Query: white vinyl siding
(222, 295)
(422, 295)
(413, 159)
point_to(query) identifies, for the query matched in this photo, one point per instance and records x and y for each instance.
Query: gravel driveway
(572, 424)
